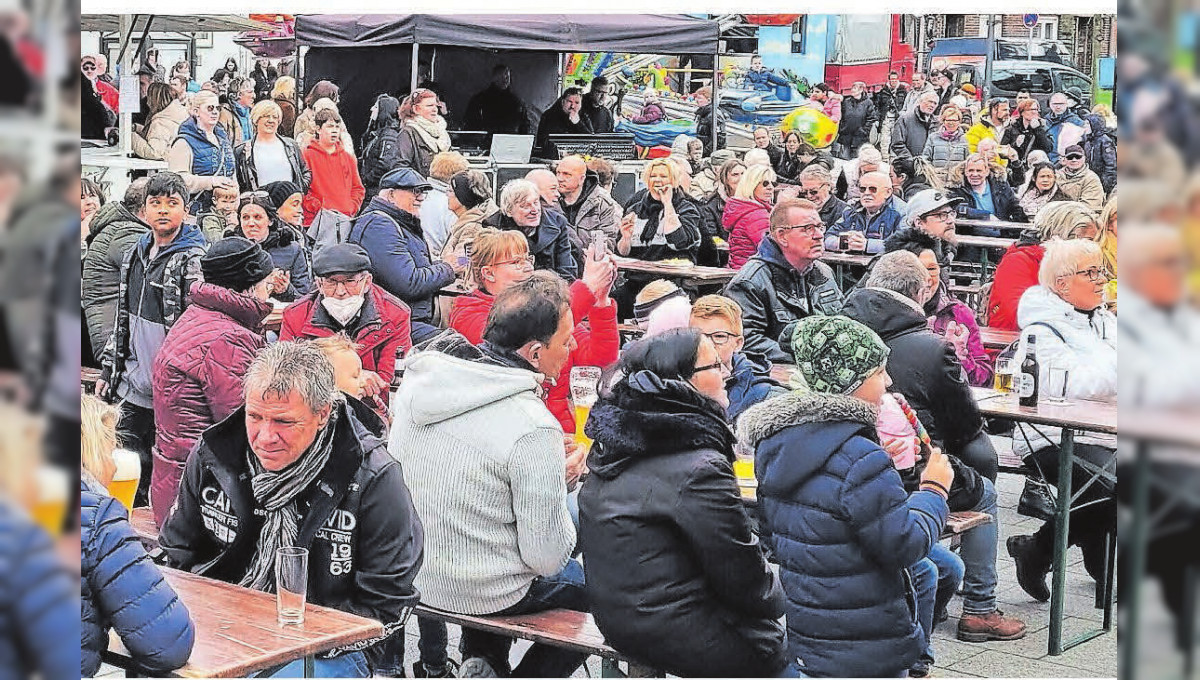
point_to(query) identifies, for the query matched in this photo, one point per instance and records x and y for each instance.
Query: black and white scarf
(276, 492)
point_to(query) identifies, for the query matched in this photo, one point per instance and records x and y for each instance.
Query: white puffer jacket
(1086, 345)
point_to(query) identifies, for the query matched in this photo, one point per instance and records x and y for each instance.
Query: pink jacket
(198, 379)
(977, 363)
(746, 221)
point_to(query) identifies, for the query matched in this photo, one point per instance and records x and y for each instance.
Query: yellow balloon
(815, 128)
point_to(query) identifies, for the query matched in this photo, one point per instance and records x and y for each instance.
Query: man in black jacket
(785, 281)
(563, 118)
(708, 114)
(320, 477)
(594, 109)
(858, 117)
(497, 108)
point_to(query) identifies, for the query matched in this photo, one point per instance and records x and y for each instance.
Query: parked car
(1040, 78)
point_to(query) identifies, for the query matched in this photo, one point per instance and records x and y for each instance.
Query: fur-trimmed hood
(802, 408)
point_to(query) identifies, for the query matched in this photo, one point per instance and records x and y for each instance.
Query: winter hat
(280, 192)
(340, 258)
(1074, 148)
(465, 190)
(836, 354)
(236, 263)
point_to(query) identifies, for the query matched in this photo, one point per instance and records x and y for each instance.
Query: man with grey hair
(911, 131)
(816, 185)
(925, 369)
(523, 208)
(301, 466)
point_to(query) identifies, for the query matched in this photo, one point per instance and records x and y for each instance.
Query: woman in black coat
(677, 579)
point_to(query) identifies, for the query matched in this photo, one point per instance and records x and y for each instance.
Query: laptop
(469, 142)
(511, 148)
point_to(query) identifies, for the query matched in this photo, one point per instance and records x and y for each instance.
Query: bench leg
(609, 668)
(310, 670)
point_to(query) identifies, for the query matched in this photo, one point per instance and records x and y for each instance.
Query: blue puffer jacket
(845, 532)
(122, 589)
(750, 382)
(400, 260)
(39, 599)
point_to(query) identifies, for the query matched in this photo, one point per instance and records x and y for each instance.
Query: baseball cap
(1074, 149)
(928, 201)
(405, 178)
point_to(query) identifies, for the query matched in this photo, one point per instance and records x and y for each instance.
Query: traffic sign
(1030, 20)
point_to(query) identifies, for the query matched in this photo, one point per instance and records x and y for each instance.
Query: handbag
(329, 227)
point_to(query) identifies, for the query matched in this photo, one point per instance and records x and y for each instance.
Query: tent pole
(125, 120)
(716, 95)
(416, 49)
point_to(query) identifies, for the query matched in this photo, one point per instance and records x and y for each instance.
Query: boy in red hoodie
(335, 181)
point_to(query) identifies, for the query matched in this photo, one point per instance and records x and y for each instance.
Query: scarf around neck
(276, 492)
(432, 133)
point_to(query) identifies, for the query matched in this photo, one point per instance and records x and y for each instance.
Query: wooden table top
(1172, 428)
(692, 272)
(840, 257)
(1002, 225)
(456, 289)
(237, 633)
(985, 241)
(1076, 414)
(997, 337)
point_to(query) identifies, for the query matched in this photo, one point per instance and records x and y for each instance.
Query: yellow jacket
(980, 131)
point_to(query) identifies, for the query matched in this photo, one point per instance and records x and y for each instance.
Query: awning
(644, 33)
(174, 23)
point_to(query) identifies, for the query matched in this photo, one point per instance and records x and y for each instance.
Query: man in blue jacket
(1059, 121)
(869, 223)
(389, 229)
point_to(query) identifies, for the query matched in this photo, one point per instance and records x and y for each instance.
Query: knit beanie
(236, 263)
(460, 184)
(836, 354)
(279, 192)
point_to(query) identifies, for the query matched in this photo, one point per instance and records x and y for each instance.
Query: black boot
(1032, 566)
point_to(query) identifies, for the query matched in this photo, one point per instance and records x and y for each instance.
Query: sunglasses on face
(1075, 157)
(767, 184)
(89, 67)
(210, 108)
(809, 193)
(869, 189)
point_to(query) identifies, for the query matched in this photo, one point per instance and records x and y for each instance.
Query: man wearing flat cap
(347, 300)
(389, 230)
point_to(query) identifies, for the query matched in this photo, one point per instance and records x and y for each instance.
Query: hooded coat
(122, 589)
(845, 531)
(596, 335)
(1016, 273)
(944, 308)
(1101, 152)
(400, 260)
(925, 369)
(1082, 185)
(113, 231)
(677, 578)
(286, 249)
(364, 539)
(381, 152)
(487, 467)
(198, 379)
(746, 221)
(1056, 126)
(550, 243)
(858, 117)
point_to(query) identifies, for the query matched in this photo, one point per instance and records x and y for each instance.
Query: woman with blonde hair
(748, 212)
(98, 440)
(202, 154)
(268, 156)
(660, 222)
(1018, 269)
(283, 93)
(164, 115)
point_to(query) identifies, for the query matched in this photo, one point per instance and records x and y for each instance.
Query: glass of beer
(291, 584)
(124, 484)
(1005, 368)
(50, 509)
(585, 383)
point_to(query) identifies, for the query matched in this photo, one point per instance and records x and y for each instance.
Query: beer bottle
(1029, 373)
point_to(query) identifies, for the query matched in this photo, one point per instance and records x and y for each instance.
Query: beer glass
(1056, 384)
(50, 508)
(1005, 368)
(585, 383)
(291, 584)
(124, 484)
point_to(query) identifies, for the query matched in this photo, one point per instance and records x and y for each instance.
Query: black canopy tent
(370, 54)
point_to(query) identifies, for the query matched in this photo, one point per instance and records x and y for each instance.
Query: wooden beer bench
(563, 628)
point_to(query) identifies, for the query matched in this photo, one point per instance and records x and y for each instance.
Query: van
(1040, 78)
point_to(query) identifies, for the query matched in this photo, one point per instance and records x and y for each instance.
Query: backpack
(329, 227)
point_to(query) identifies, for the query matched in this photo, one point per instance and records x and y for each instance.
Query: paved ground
(1022, 658)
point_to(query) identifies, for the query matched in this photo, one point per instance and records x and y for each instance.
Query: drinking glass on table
(124, 484)
(1006, 367)
(1057, 377)
(585, 384)
(50, 505)
(291, 584)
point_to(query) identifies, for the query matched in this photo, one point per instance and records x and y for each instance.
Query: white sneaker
(476, 667)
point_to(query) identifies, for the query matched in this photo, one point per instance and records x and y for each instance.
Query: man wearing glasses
(816, 185)
(785, 281)
(389, 230)
(346, 300)
(1078, 181)
(864, 227)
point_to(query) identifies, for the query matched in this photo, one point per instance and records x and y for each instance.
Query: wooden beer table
(997, 338)
(1166, 436)
(842, 262)
(690, 277)
(1076, 415)
(237, 634)
(985, 241)
(1001, 225)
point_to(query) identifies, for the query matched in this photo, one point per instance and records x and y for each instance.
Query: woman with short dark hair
(677, 578)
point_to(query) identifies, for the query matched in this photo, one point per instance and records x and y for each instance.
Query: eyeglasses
(719, 366)
(869, 189)
(526, 261)
(1095, 274)
(816, 228)
(1074, 157)
(720, 338)
(329, 286)
(941, 215)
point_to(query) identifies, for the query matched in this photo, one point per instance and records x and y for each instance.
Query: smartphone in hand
(599, 245)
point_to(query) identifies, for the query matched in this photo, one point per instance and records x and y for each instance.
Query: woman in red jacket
(501, 258)
(198, 373)
(335, 181)
(1018, 269)
(747, 214)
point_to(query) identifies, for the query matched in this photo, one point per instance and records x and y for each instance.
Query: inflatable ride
(662, 133)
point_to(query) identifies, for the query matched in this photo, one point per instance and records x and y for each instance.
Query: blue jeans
(432, 643)
(978, 551)
(564, 590)
(352, 665)
(935, 579)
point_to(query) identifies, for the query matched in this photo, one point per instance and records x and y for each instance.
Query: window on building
(798, 34)
(956, 25)
(1046, 29)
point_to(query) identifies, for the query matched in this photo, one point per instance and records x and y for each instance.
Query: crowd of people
(252, 439)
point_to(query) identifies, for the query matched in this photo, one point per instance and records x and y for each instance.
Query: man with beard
(563, 118)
